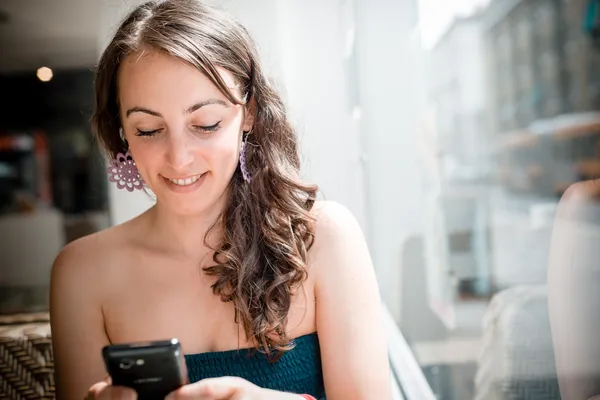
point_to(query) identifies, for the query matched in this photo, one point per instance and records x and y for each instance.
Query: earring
(124, 172)
(243, 166)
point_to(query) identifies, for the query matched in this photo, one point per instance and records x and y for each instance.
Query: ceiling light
(44, 74)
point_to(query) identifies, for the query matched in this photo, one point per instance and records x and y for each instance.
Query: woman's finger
(96, 389)
(118, 392)
(224, 388)
(104, 391)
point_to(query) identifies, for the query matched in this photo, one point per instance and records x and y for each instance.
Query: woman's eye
(147, 133)
(210, 128)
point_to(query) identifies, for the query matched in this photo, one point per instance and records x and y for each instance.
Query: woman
(236, 253)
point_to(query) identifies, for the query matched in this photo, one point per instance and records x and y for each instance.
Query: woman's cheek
(225, 153)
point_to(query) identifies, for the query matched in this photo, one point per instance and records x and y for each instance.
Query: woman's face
(182, 131)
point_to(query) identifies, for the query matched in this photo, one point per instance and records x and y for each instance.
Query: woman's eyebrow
(189, 110)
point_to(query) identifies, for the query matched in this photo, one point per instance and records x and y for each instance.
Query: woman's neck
(184, 235)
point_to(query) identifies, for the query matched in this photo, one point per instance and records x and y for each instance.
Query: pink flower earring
(124, 172)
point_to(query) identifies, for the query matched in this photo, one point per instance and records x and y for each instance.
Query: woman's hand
(227, 388)
(105, 391)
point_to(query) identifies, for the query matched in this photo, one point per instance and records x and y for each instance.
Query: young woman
(236, 254)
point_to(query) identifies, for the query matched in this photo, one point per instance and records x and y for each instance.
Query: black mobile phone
(152, 369)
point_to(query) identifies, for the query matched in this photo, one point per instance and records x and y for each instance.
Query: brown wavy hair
(268, 227)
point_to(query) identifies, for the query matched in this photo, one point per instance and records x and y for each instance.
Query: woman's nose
(180, 153)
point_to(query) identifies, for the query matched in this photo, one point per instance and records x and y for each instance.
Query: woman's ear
(249, 113)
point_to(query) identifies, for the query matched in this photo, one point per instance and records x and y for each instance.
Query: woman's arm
(78, 333)
(574, 291)
(349, 309)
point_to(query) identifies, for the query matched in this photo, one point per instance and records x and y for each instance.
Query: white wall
(391, 100)
(260, 17)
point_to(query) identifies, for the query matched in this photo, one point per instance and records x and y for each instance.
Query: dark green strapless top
(297, 371)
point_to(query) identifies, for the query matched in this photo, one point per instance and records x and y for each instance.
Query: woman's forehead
(151, 73)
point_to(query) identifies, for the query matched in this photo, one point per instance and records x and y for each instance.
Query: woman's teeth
(186, 181)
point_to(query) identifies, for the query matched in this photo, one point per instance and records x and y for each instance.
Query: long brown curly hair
(268, 227)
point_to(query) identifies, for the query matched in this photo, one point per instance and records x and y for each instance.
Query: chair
(26, 361)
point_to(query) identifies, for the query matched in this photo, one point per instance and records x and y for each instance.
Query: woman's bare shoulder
(91, 248)
(336, 230)
(333, 221)
(82, 277)
(89, 258)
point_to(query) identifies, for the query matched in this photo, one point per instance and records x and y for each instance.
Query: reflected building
(540, 62)
(456, 90)
(543, 94)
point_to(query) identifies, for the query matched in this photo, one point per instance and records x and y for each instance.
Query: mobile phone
(153, 369)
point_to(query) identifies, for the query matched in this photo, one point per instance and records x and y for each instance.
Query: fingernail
(129, 394)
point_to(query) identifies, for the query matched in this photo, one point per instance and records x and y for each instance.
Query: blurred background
(450, 128)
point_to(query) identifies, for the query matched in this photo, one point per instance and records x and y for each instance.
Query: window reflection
(541, 135)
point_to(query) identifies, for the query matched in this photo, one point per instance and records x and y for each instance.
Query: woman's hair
(267, 223)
